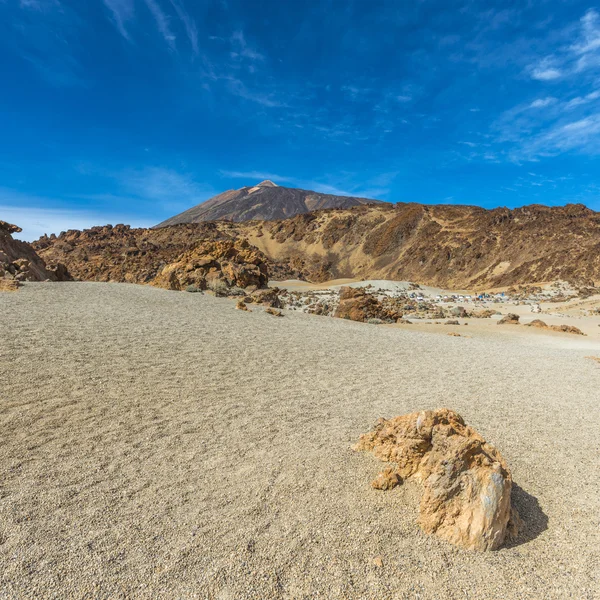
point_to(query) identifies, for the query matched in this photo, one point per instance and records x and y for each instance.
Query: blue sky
(133, 110)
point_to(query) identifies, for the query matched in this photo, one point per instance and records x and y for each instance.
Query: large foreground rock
(218, 265)
(20, 262)
(467, 483)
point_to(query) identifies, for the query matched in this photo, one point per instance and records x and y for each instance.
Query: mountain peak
(267, 183)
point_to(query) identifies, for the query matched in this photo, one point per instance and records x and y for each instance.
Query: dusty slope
(447, 246)
(164, 445)
(265, 201)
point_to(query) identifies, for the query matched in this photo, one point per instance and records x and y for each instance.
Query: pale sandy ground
(161, 444)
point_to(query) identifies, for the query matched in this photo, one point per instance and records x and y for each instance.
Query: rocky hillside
(448, 246)
(198, 255)
(265, 201)
(20, 262)
(455, 247)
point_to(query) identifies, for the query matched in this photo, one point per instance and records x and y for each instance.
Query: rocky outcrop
(218, 265)
(466, 482)
(19, 261)
(194, 257)
(452, 247)
(539, 324)
(509, 319)
(357, 304)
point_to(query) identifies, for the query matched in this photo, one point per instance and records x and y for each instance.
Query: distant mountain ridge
(452, 247)
(266, 201)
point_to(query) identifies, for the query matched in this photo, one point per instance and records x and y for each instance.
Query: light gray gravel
(161, 444)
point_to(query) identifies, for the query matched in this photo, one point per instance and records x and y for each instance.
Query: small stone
(378, 561)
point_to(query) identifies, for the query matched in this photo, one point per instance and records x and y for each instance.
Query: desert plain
(162, 444)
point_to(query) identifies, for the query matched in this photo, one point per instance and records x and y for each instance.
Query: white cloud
(241, 48)
(189, 25)
(542, 73)
(122, 11)
(238, 88)
(162, 22)
(581, 55)
(542, 102)
(582, 135)
(581, 100)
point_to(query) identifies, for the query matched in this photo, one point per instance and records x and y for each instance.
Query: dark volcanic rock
(265, 201)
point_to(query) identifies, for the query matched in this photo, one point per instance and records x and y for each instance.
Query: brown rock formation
(241, 305)
(197, 256)
(454, 247)
(561, 328)
(467, 484)
(357, 304)
(19, 261)
(216, 265)
(509, 319)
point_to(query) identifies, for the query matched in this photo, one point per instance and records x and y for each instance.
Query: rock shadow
(535, 520)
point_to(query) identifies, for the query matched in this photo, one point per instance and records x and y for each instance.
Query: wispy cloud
(549, 126)
(340, 185)
(582, 135)
(162, 22)
(189, 24)
(582, 54)
(266, 98)
(241, 48)
(162, 186)
(122, 12)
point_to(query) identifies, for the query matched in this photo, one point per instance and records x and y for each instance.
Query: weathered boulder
(467, 483)
(561, 328)
(20, 262)
(241, 305)
(218, 265)
(357, 304)
(267, 297)
(509, 319)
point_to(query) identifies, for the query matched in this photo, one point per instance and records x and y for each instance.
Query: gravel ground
(161, 444)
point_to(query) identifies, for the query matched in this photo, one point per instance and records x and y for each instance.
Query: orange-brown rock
(357, 304)
(206, 255)
(509, 319)
(266, 297)
(8, 285)
(453, 247)
(466, 482)
(215, 265)
(20, 262)
(241, 305)
(560, 328)
(567, 329)
(275, 313)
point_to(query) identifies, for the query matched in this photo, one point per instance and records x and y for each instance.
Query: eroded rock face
(509, 319)
(215, 265)
(20, 262)
(467, 483)
(357, 304)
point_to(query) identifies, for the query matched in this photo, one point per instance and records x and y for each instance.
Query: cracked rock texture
(467, 483)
